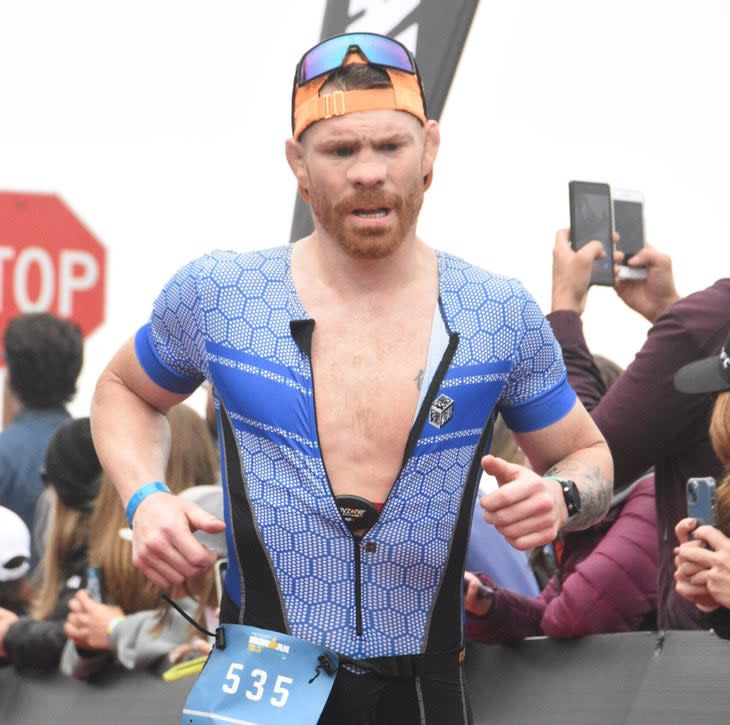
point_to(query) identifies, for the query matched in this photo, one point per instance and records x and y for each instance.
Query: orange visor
(313, 71)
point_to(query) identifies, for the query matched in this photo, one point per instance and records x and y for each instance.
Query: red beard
(373, 242)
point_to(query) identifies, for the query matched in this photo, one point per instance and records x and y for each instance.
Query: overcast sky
(162, 125)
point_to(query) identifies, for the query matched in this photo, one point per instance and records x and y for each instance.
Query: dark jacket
(33, 644)
(647, 422)
(606, 581)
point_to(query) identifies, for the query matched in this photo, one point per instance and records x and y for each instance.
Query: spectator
(703, 555)
(125, 590)
(645, 420)
(72, 470)
(16, 590)
(44, 356)
(100, 634)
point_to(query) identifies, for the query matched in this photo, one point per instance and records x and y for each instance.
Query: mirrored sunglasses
(329, 55)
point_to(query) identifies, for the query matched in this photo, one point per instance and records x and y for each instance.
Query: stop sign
(49, 262)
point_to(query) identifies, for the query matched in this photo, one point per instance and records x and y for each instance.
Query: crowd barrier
(638, 678)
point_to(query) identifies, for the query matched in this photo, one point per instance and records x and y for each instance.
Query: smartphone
(220, 573)
(591, 217)
(701, 502)
(94, 585)
(628, 218)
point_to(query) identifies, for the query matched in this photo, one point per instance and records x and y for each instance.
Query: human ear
(431, 142)
(295, 157)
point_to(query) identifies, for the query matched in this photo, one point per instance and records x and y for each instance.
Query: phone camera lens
(692, 494)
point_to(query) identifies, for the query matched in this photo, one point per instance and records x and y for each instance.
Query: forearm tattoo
(595, 492)
(419, 378)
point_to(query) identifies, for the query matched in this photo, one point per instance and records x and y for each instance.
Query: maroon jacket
(647, 422)
(606, 581)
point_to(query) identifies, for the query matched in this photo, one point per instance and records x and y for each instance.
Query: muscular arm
(528, 509)
(132, 438)
(574, 448)
(130, 431)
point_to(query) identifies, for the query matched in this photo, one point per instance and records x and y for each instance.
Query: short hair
(356, 77)
(44, 355)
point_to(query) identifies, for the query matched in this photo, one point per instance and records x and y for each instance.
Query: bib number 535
(255, 687)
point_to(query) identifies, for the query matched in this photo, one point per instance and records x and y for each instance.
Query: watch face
(572, 497)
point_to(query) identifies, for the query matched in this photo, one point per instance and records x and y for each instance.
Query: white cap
(14, 546)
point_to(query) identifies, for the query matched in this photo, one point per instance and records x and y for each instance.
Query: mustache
(369, 198)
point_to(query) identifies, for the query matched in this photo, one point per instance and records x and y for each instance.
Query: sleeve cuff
(157, 369)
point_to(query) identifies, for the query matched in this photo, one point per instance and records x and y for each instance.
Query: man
(44, 355)
(645, 419)
(356, 373)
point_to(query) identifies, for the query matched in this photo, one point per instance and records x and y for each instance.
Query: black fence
(640, 678)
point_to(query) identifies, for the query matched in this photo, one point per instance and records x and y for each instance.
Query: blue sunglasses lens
(330, 54)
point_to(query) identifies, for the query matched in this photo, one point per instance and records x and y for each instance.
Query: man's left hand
(527, 509)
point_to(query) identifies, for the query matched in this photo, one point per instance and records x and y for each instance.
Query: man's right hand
(164, 547)
(650, 297)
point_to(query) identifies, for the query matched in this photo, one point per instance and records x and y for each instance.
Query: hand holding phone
(591, 218)
(701, 500)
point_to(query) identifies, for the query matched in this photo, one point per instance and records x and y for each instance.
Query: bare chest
(367, 383)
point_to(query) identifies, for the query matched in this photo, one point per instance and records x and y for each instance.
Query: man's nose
(367, 170)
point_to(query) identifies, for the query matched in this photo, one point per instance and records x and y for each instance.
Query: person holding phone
(72, 472)
(645, 419)
(101, 634)
(358, 363)
(702, 558)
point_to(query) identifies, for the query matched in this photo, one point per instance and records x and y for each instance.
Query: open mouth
(371, 213)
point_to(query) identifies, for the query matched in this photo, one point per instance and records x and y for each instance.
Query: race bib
(261, 677)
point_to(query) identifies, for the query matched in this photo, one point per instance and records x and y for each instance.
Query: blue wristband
(140, 495)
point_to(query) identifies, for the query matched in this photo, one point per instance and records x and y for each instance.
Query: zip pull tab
(219, 636)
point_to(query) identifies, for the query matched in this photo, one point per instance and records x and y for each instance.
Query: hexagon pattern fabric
(228, 317)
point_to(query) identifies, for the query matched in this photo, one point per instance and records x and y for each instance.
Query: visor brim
(703, 376)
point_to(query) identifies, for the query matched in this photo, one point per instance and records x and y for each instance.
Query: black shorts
(373, 700)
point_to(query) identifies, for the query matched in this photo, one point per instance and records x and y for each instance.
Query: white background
(161, 123)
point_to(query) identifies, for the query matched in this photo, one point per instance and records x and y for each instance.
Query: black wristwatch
(571, 494)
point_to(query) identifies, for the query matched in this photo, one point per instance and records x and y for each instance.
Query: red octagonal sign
(49, 262)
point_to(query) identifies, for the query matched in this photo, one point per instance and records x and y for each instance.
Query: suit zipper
(358, 586)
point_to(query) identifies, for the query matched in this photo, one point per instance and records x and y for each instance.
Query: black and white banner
(434, 30)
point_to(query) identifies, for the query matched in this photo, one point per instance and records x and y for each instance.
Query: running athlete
(356, 373)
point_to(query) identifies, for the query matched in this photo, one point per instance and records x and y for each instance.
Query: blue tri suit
(394, 596)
